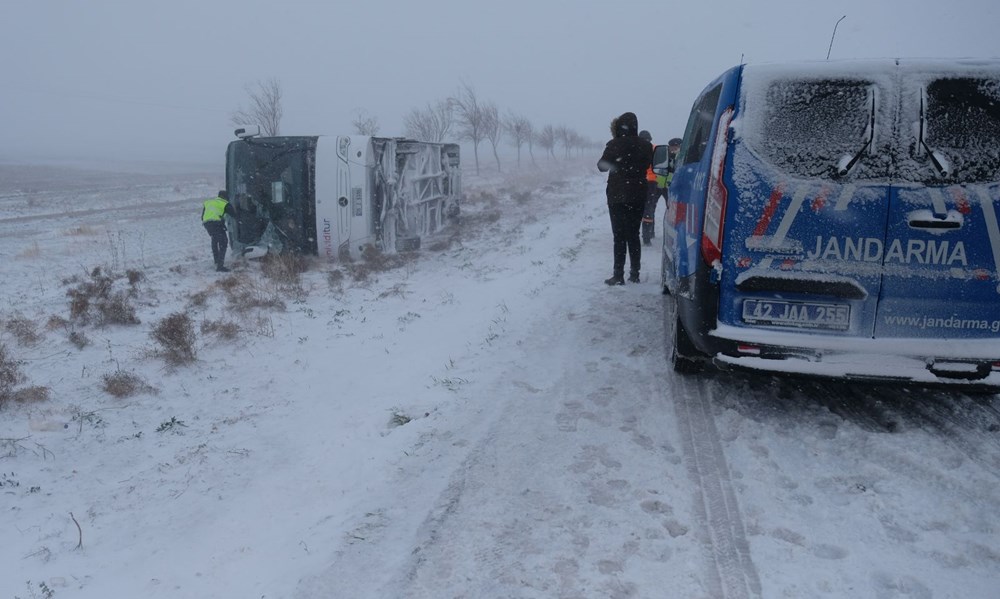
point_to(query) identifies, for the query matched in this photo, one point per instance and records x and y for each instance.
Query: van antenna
(741, 59)
(833, 36)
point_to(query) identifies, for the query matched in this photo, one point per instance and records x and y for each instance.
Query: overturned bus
(332, 196)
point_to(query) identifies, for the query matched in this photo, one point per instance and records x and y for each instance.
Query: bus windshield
(271, 183)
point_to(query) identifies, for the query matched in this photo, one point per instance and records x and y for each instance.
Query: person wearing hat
(625, 159)
(212, 213)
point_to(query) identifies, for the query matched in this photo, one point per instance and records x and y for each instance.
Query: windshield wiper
(847, 161)
(939, 160)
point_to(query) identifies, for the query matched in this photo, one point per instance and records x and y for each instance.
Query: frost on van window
(963, 124)
(808, 127)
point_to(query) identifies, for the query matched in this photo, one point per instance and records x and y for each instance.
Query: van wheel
(683, 352)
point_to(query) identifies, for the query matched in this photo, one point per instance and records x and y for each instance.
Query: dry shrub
(125, 384)
(223, 329)
(117, 309)
(471, 225)
(79, 339)
(56, 322)
(82, 230)
(485, 217)
(480, 196)
(521, 197)
(33, 394)
(374, 260)
(440, 245)
(244, 294)
(230, 282)
(335, 278)
(98, 300)
(199, 299)
(10, 374)
(25, 331)
(176, 338)
(284, 268)
(134, 277)
(253, 298)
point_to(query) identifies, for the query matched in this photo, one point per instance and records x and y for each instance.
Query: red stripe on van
(680, 212)
(769, 210)
(820, 201)
(961, 202)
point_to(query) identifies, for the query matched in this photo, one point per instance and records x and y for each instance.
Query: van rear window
(809, 126)
(963, 125)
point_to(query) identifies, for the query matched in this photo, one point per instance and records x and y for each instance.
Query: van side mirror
(661, 160)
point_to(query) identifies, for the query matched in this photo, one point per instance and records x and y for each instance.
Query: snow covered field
(485, 420)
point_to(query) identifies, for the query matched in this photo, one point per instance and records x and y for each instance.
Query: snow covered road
(489, 420)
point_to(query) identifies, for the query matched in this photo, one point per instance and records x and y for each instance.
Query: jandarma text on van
(870, 249)
(953, 322)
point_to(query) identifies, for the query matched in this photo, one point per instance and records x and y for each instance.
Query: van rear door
(943, 243)
(808, 205)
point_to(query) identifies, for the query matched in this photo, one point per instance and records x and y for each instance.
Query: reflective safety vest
(660, 180)
(663, 181)
(214, 209)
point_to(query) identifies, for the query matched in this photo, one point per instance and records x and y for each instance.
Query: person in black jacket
(626, 158)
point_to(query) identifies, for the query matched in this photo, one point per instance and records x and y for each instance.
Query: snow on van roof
(808, 68)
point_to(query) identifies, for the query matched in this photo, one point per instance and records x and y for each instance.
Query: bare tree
(469, 113)
(564, 135)
(576, 141)
(265, 108)
(547, 139)
(519, 130)
(432, 123)
(530, 138)
(365, 124)
(492, 128)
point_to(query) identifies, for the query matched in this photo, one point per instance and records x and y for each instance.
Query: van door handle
(925, 219)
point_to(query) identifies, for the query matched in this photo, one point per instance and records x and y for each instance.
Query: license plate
(797, 314)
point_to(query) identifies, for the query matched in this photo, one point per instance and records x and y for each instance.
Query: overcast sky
(123, 79)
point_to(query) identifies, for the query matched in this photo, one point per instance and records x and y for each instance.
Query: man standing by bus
(212, 213)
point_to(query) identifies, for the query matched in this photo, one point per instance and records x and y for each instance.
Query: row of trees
(476, 120)
(464, 115)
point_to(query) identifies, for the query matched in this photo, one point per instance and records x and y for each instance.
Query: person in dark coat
(626, 158)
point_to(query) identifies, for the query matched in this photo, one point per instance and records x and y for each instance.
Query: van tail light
(746, 348)
(996, 366)
(715, 199)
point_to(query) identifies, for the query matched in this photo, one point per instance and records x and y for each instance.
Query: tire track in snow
(735, 575)
(732, 572)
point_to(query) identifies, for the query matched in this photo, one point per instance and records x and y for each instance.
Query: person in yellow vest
(212, 213)
(657, 187)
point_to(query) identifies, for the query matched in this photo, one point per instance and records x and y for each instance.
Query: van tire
(683, 351)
